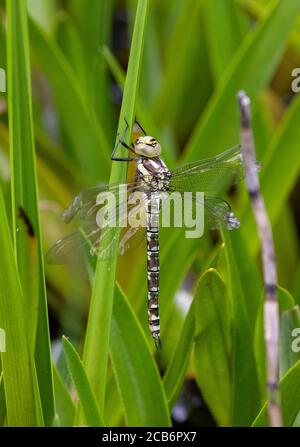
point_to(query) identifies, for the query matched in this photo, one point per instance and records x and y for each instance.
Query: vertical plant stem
(24, 194)
(95, 353)
(17, 362)
(271, 314)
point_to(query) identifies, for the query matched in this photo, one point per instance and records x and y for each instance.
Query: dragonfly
(152, 181)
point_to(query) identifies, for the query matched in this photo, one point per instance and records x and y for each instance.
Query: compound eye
(137, 141)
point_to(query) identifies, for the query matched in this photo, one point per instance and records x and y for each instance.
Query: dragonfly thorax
(153, 173)
(147, 146)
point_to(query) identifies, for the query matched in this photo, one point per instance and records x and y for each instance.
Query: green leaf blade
(175, 373)
(245, 385)
(137, 376)
(211, 354)
(85, 393)
(25, 195)
(290, 399)
(17, 362)
(95, 355)
(247, 71)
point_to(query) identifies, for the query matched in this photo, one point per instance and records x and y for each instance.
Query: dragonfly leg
(120, 141)
(142, 129)
(127, 126)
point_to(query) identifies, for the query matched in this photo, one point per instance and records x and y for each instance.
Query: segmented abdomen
(153, 266)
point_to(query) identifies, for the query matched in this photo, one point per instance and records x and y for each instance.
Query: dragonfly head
(147, 146)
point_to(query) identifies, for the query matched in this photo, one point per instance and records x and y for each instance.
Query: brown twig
(271, 314)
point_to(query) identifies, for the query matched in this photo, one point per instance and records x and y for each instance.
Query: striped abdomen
(153, 266)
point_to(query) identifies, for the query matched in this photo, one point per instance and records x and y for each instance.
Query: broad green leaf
(98, 329)
(113, 410)
(68, 39)
(256, 9)
(290, 399)
(37, 398)
(225, 28)
(65, 409)
(191, 88)
(94, 20)
(184, 72)
(296, 288)
(248, 71)
(249, 277)
(173, 272)
(2, 401)
(262, 127)
(245, 397)
(25, 195)
(137, 376)
(29, 274)
(17, 361)
(173, 326)
(43, 12)
(151, 74)
(84, 390)
(167, 15)
(57, 162)
(212, 345)
(2, 47)
(175, 373)
(57, 178)
(297, 421)
(286, 246)
(88, 143)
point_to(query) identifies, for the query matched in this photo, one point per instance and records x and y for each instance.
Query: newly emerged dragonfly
(152, 181)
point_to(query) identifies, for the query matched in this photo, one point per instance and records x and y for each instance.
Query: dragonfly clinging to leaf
(152, 181)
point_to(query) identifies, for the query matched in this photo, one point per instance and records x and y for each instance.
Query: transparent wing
(211, 174)
(105, 233)
(84, 205)
(104, 244)
(64, 250)
(195, 208)
(218, 213)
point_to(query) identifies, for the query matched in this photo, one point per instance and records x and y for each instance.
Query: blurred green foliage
(188, 59)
